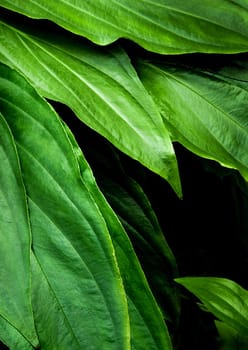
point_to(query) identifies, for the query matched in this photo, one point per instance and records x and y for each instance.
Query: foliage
(123, 171)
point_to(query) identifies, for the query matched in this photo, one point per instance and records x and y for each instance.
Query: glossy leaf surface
(100, 86)
(224, 298)
(203, 111)
(70, 239)
(163, 26)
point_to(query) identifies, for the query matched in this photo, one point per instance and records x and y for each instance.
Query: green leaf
(15, 294)
(134, 210)
(12, 337)
(100, 86)
(203, 111)
(227, 300)
(230, 338)
(161, 26)
(70, 240)
(147, 324)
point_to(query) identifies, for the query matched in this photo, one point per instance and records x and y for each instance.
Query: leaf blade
(202, 111)
(224, 298)
(70, 239)
(167, 27)
(103, 90)
(147, 324)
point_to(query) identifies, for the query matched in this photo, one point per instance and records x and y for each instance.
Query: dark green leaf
(147, 324)
(230, 338)
(132, 206)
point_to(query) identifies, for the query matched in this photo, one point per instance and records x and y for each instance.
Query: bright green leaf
(163, 26)
(203, 111)
(227, 300)
(100, 86)
(15, 294)
(70, 239)
(147, 324)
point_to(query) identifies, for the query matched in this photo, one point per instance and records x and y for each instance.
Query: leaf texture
(15, 292)
(70, 240)
(226, 299)
(203, 111)
(12, 337)
(162, 26)
(101, 87)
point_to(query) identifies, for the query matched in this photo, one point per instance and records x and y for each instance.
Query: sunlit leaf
(100, 86)
(70, 240)
(163, 26)
(203, 111)
(227, 300)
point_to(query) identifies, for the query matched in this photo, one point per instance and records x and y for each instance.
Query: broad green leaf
(203, 111)
(15, 294)
(227, 300)
(70, 239)
(132, 206)
(163, 26)
(147, 324)
(100, 86)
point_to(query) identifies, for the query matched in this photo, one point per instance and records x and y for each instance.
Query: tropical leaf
(15, 293)
(134, 210)
(203, 111)
(100, 86)
(163, 26)
(147, 324)
(70, 239)
(227, 300)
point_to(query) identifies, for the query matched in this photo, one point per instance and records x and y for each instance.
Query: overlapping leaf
(204, 111)
(163, 26)
(134, 210)
(69, 237)
(78, 297)
(147, 324)
(100, 86)
(224, 298)
(12, 337)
